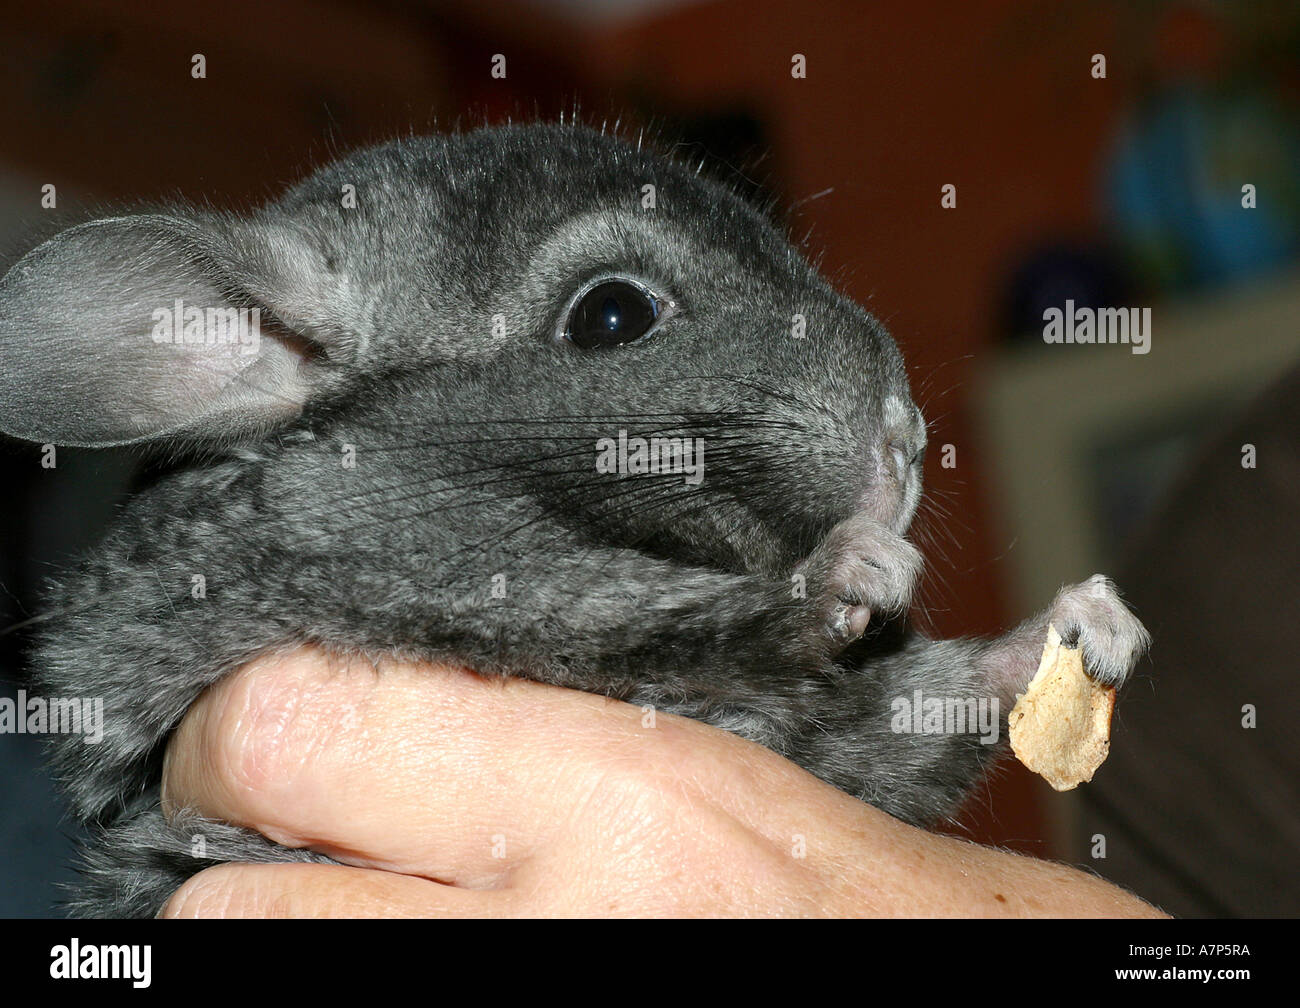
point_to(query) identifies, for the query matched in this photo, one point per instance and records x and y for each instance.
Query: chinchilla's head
(666, 368)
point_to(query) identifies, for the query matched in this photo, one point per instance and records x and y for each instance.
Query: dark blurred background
(1117, 190)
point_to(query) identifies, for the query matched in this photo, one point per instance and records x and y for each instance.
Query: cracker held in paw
(1060, 727)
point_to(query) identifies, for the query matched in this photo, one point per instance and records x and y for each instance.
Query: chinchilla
(485, 398)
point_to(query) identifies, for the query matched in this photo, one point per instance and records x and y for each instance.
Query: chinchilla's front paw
(1092, 616)
(861, 569)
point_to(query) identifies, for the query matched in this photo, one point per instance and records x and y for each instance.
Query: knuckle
(267, 730)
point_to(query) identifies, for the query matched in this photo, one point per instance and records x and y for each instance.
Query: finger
(415, 769)
(315, 890)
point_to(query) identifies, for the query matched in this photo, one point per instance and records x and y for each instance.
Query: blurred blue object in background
(1175, 185)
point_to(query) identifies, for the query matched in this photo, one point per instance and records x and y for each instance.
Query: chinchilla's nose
(903, 455)
(902, 439)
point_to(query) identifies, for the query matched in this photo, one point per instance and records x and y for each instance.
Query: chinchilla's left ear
(134, 329)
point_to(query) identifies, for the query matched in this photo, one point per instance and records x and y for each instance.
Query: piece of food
(1060, 727)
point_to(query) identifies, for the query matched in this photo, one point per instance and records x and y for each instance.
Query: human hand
(445, 794)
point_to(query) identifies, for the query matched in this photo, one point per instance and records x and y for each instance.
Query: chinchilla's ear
(131, 329)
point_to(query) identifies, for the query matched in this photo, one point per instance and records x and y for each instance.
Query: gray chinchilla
(475, 398)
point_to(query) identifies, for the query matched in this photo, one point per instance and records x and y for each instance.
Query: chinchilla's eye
(613, 312)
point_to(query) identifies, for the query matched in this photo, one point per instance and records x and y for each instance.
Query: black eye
(612, 313)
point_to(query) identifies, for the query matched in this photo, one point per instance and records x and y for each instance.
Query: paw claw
(1092, 616)
(848, 622)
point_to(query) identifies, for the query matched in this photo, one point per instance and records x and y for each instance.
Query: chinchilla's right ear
(133, 329)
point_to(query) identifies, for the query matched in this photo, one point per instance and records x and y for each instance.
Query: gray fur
(475, 448)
